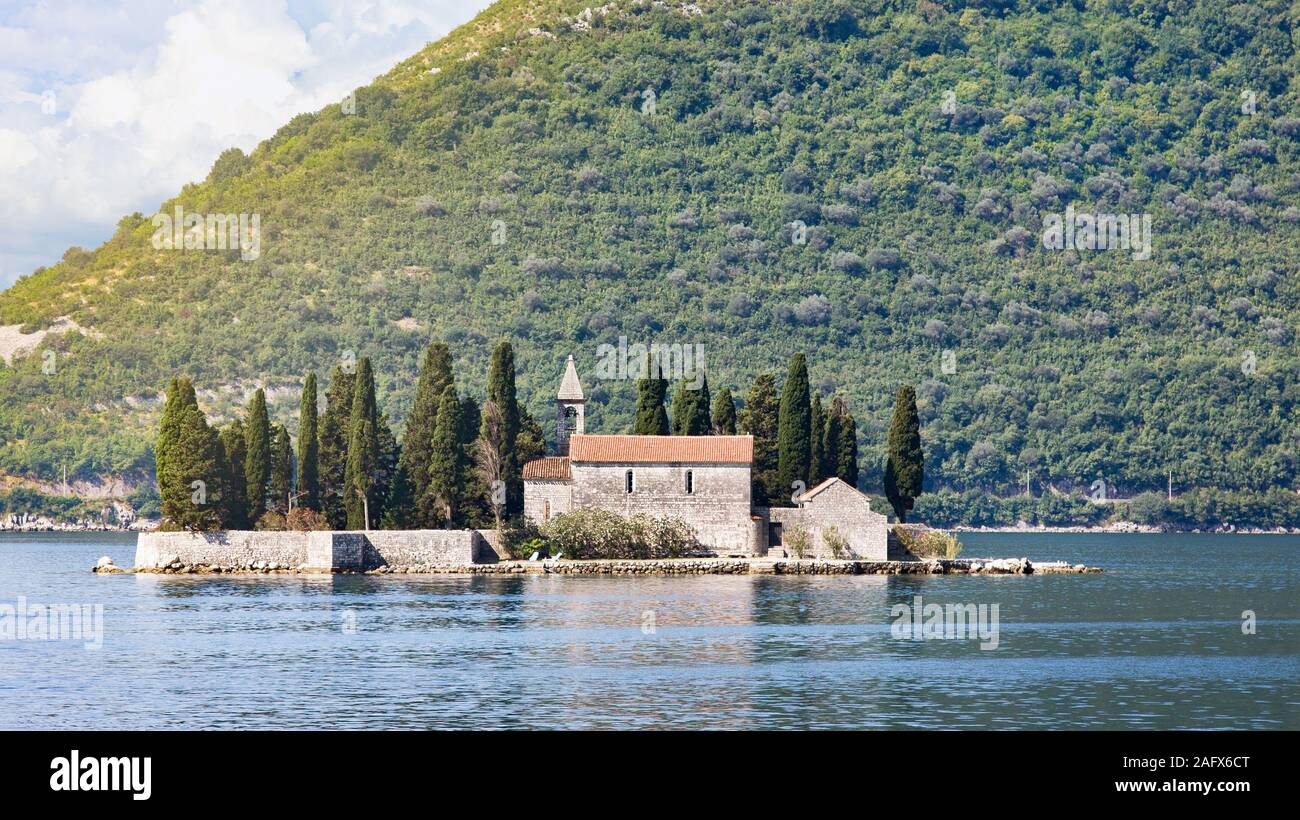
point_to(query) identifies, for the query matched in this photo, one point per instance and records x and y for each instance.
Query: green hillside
(921, 143)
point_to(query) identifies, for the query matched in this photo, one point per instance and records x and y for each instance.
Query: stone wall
(537, 494)
(312, 551)
(234, 548)
(414, 548)
(717, 508)
(848, 511)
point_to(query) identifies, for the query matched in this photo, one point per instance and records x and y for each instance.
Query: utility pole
(1171, 485)
(1027, 482)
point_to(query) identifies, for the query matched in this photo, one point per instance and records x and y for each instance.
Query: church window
(628, 481)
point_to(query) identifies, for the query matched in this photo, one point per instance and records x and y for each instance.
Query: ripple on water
(1155, 642)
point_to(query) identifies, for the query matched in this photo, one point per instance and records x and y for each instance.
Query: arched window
(690, 481)
(570, 419)
(628, 481)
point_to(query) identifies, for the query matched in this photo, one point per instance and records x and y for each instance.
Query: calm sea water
(1155, 642)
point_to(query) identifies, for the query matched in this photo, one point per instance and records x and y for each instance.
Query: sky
(108, 107)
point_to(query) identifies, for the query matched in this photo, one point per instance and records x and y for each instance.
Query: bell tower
(570, 409)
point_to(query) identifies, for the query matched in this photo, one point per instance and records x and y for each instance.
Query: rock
(104, 561)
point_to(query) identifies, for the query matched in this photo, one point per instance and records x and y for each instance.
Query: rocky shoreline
(673, 566)
(45, 526)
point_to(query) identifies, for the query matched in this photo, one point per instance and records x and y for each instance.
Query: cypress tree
(691, 410)
(845, 443)
(701, 419)
(172, 490)
(904, 463)
(448, 465)
(724, 414)
(281, 485)
(531, 443)
(794, 445)
(363, 459)
(308, 447)
(417, 445)
(334, 445)
(399, 507)
(257, 466)
(651, 417)
(818, 466)
(390, 457)
(195, 457)
(180, 394)
(472, 503)
(501, 392)
(235, 487)
(759, 419)
(681, 409)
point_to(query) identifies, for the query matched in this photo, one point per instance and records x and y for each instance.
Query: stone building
(832, 507)
(702, 480)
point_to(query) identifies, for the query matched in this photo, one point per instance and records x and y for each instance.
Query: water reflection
(1153, 643)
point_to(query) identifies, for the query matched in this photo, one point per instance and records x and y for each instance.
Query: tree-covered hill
(564, 177)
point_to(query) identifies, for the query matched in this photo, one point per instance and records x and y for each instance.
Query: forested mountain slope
(564, 177)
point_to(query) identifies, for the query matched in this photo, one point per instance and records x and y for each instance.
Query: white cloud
(147, 93)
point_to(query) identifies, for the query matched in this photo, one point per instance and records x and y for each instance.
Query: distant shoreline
(1112, 529)
(1128, 529)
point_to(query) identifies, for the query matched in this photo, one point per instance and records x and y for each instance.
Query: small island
(693, 495)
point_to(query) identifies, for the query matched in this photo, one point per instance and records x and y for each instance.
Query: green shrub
(271, 521)
(835, 542)
(796, 538)
(593, 533)
(303, 519)
(520, 538)
(928, 543)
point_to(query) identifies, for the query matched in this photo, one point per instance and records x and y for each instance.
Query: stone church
(702, 480)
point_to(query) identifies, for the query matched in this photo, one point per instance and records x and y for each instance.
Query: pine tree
(281, 486)
(417, 444)
(794, 445)
(904, 463)
(234, 452)
(501, 392)
(724, 414)
(362, 463)
(308, 447)
(651, 417)
(760, 420)
(818, 466)
(194, 467)
(334, 445)
(845, 443)
(448, 464)
(257, 466)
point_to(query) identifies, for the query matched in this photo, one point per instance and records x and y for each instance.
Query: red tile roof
(662, 449)
(551, 468)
